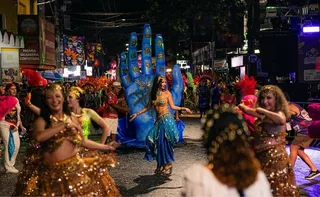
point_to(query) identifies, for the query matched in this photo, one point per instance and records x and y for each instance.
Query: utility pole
(58, 31)
(253, 32)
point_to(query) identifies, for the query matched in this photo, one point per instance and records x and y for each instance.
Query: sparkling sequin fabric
(86, 127)
(275, 161)
(72, 177)
(81, 175)
(55, 142)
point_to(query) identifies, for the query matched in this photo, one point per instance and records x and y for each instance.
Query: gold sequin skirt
(76, 176)
(276, 165)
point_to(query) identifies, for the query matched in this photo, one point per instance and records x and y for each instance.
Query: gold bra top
(55, 142)
(160, 102)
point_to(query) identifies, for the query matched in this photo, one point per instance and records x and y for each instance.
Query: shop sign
(309, 52)
(28, 25)
(252, 58)
(220, 65)
(237, 61)
(30, 54)
(47, 43)
(9, 58)
(204, 54)
(311, 75)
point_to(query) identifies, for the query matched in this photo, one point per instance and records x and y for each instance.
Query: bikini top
(56, 141)
(160, 102)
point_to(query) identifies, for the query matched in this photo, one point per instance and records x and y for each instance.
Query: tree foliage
(177, 15)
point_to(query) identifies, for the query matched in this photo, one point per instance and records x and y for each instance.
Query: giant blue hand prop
(138, 84)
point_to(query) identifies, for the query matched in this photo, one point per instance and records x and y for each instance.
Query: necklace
(79, 115)
(159, 93)
(55, 119)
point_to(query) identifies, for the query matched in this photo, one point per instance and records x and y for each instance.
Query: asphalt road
(134, 176)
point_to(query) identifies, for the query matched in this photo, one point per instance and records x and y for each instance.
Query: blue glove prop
(138, 84)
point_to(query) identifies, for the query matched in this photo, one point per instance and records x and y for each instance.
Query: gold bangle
(66, 124)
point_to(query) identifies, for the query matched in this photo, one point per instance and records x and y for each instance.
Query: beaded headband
(53, 86)
(268, 88)
(229, 133)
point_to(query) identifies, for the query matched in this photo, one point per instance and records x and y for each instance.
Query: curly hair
(233, 163)
(281, 104)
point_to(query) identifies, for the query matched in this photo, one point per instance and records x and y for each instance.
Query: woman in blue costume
(164, 134)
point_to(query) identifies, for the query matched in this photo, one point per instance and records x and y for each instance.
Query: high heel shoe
(167, 169)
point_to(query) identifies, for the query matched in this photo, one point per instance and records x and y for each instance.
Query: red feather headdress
(247, 85)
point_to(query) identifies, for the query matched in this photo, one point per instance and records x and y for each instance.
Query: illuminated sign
(237, 61)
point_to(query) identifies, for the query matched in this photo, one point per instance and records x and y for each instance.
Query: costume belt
(163, 115)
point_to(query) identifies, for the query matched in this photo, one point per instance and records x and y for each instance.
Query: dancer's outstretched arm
(102, 123)
(97, 146)
(276, 117)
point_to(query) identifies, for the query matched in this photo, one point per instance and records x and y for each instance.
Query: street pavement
(134, 176)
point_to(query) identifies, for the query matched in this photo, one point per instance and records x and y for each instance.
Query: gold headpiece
(268, 88)
(228, 133)
(76, 91)
(53, 86)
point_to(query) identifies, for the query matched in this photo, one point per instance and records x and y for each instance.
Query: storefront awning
(37, 67)
(220, 65)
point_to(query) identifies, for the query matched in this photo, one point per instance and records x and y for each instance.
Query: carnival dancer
(110, 110)
(247, 91)
(204, 97)
(232, 169)
(272, 112)
(85, 115)
(164, 133)
(62, 172)
(11, 90)
(9, 123)
(215, 94)
(300, 121)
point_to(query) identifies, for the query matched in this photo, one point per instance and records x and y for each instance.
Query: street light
(127, 44)
(311, 29)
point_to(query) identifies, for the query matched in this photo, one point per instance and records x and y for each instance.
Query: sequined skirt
(75, 176)
(276, 165)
